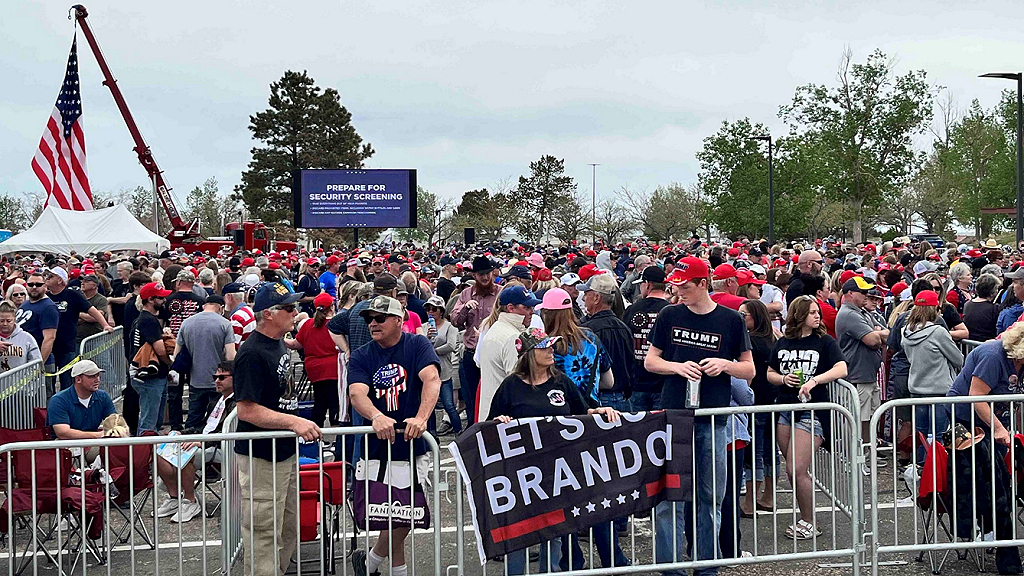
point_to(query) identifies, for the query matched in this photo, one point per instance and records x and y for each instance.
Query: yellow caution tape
(65, 368)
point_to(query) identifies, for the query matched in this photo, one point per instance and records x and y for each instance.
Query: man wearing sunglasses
(402, 370)
(39, 315)
(266, 400)
(309, 285)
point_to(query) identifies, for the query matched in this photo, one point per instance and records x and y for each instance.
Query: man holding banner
(697, 345)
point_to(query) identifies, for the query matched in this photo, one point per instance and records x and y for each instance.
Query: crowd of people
(510, 330)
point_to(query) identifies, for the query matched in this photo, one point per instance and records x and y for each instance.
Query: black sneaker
(359, 562)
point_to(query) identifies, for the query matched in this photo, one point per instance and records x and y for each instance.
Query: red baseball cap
(248, 262)
(687, 269)
(274, 266)
(871, 248)
(723, 271)
(734, 251)
(153, 290)
(846, 275)
(332, 260)
(312, 262)
(745, 277)
(926, 298)
(898, 288)
(323, 300)
(543, 275)
(587, 271)
(591, 254)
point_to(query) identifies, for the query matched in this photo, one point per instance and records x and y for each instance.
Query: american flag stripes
(59, 162)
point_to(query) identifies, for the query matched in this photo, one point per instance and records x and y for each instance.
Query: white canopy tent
(85, 231)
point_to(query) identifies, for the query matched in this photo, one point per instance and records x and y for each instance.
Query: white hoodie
(22, 350)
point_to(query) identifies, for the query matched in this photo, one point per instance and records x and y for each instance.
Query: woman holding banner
(537, 388)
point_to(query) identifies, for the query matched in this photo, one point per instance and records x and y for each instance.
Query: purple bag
(371, 507)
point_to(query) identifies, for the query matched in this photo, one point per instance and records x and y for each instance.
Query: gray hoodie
(934, 359)
(22, 351)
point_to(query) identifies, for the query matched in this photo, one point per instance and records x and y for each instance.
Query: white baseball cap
(59, 272)
(87, 367)
(569, 279)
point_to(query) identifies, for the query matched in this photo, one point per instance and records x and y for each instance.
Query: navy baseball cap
(517, 295)
(233, 288)
(519, 271)
(273, 294)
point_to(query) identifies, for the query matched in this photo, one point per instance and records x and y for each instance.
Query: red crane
(251, 235)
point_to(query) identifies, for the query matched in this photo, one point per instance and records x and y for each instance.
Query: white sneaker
(188, 511)
(168, 507)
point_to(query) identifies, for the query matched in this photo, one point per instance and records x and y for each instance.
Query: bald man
(809, 264)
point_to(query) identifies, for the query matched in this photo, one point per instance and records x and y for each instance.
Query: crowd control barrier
(106, 349)
(22, 390)
(59, 515)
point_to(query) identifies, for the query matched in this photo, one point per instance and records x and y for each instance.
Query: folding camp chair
(934, 502)
(131, 469)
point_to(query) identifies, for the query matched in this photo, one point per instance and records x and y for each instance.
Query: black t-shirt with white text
(558, 396)
(263, 374)
(814, 355)
(684, 336)
(640, 317)
(393, 375)
(70, 303)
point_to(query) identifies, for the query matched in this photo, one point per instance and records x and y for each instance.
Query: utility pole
(593, 205)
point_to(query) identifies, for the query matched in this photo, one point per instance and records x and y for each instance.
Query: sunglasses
(219, 377)
(16, 294)
(35, 284)
(285, 307)
(378, 318)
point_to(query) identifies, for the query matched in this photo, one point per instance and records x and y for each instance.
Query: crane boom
(179, 230)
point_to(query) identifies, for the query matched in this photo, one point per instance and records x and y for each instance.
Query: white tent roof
(85, 231)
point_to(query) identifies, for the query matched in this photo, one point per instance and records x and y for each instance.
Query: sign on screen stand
(377, 198)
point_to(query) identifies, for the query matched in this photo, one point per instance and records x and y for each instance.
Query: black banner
(535, 479)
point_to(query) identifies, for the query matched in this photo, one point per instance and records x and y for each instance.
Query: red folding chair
(131, 470)
(320, 511)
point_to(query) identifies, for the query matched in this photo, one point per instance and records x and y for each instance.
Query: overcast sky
(469, 93)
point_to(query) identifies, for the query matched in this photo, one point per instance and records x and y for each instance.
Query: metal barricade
(963, 494)
(106, 349)
(764, 536)
(124, 521)
(21, 390)
(967, 345)
(836, 460)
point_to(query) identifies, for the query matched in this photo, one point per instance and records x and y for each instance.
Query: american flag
(60, 160)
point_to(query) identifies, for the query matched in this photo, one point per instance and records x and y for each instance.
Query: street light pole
(1019, 78)
(593, 205)
(771, 188)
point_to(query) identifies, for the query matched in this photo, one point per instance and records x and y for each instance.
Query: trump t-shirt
(393, 375)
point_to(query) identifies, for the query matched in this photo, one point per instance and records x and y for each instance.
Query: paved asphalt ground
(182, 550)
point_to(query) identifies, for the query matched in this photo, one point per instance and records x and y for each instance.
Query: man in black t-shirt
(181, 305)
(402, 370)
(70, 303)
(149, 377)
(697, 345)
(266, 400)
(445, 284)
(639, 318)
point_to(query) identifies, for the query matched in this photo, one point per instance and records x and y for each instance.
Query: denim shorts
(804, 422)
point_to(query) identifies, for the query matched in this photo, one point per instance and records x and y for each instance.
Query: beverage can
(693, 393)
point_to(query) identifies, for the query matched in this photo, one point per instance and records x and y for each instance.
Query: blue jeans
(671, 517)
(645, 401)
(764, 458)
(469, 377)
(516, 561)
(448, 401)
(152, 399)
(602, 540)
(200, 402)
(615, 400)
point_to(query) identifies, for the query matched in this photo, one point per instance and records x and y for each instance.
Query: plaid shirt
(352, 325)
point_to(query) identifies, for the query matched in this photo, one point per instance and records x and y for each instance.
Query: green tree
(864, 127)
(980, 161)
(537, 196)
(13, 214)
(211, 208)
(304, 127)
(612, 220)
(669, 212)
(569, 218)
(479, 209)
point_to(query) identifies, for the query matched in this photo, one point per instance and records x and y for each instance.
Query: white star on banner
(635, 494)
(591, 507)
(606, 503)
(621, 499)
(575, 511)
